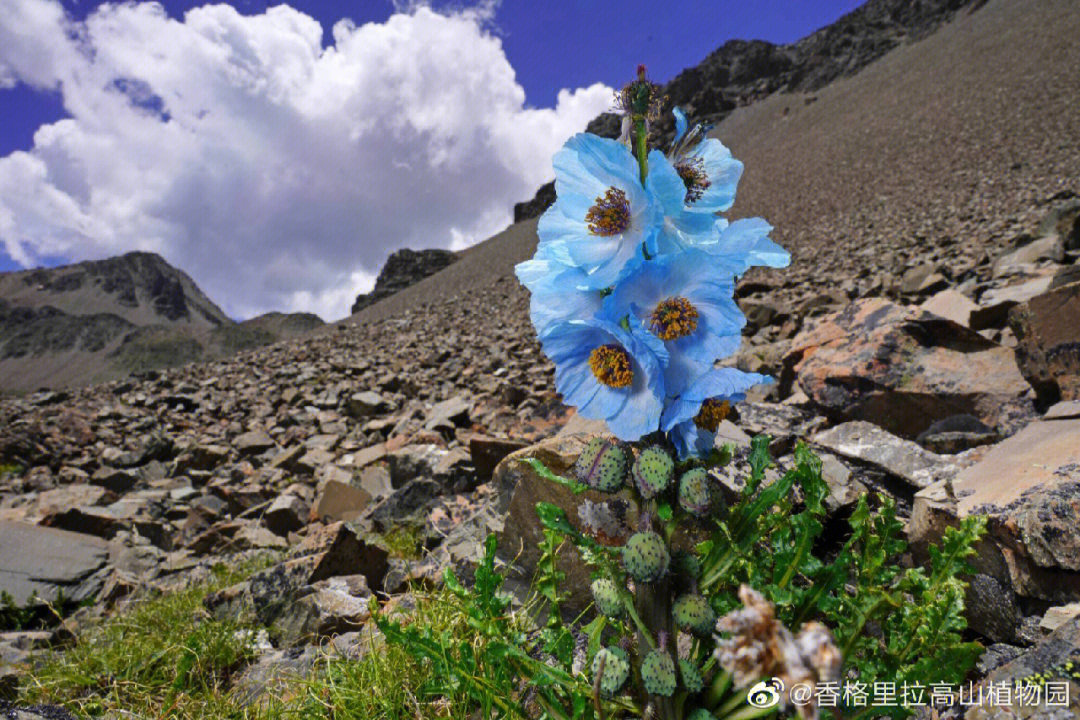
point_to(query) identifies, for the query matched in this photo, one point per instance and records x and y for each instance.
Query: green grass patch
(403, 541)
(164, 657)
(12, 469)
(390, 682)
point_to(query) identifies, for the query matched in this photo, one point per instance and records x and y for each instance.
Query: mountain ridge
(98, 320)
(741, 72)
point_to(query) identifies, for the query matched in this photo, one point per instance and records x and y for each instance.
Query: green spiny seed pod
(686, 564)
(691, 676)
(658, 673)
(606, 596)
(700, 714)
(616, 669)
(692, 613)
(695, 495)
(645, 556)
(602, 465)
(653, 471)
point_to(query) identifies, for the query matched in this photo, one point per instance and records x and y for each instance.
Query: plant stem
(641, 146)
(654, 606)
(642, 630)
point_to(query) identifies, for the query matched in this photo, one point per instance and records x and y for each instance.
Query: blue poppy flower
(680, 227)
(602, 215)
(558, 292)
(692, 417)
(709, 173)
(686, 301)
(608, 374)
(745, 243)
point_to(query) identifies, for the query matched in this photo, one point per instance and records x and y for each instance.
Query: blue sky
(94, 184)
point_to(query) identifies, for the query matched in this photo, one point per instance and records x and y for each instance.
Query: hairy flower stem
(641, 145)
(653, 603)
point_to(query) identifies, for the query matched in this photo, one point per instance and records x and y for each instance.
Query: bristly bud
(640, 97)
(695, 493)
(607, 598)
(602, 465)
(658, 673)
(616, 669)
(686, 564)
(693, 613)
(653, 471)
(691, 676)
(645, 556)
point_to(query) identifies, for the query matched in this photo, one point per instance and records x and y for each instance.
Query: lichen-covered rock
(1048, 330)
(903, 368)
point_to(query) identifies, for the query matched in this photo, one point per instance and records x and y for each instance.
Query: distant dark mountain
(101, 319)
(138, 287)
(740, 72)
(402, 269)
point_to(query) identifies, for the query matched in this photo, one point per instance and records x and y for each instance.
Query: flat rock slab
(1063, 410)
(47, 561)
(901, 458)
(1029, 487)
(1043, 454)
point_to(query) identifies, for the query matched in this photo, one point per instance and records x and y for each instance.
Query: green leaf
(543, 471)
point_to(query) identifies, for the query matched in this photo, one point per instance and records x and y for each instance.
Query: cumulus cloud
(277, 172)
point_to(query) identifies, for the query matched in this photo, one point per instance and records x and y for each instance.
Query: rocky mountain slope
(402, 269)
(741, 72)
(98, 320)
(926, 342)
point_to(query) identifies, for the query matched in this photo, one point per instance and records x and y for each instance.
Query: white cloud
(277, 173)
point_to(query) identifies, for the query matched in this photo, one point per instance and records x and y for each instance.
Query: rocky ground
(926, 344)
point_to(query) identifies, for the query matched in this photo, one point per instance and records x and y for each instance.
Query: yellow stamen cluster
(713, 410)
(610, 215)
(674, 318)
(694, 177)
(611, 366)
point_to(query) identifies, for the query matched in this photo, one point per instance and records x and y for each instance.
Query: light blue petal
(682, 227)
(723, 172)
(629, 412)
(746, 243)
(680, 124)
(728, 383)
(690, 440)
